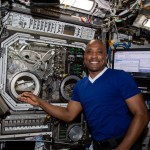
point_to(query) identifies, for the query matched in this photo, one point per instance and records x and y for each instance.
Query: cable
(129, 9)
(62, 2)
(103, 25)
(7, 15)
(73, 3)
(1, 31)
(116, 31)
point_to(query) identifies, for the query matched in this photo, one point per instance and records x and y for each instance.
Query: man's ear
(105, 59)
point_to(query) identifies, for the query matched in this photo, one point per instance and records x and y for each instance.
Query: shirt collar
(92, 80)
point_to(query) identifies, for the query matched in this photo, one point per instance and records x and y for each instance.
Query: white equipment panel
(48, 27)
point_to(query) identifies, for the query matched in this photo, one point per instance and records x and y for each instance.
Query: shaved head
(96, 41)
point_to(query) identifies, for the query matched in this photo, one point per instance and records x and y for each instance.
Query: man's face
(95, 57)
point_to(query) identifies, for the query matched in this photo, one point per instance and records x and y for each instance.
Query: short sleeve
(75, 95)
(127, 85)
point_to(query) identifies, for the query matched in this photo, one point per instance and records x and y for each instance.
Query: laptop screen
(134, 61)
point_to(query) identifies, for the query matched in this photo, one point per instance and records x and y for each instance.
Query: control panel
(28, 23)
(24, 123)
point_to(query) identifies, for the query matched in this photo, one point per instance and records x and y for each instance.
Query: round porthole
(24, 81)
(67, 85)
(75, 133)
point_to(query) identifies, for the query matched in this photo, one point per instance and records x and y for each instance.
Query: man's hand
(30, 98)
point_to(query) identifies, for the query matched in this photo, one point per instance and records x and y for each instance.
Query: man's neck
(97, 76)
(94, 74)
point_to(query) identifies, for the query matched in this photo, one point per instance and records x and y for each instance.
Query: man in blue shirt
(107, 97)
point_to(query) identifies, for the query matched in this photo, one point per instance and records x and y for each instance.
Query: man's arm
(66, 114)
(140, 119)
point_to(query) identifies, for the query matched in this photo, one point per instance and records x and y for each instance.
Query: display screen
(135, 61)
(69, 30)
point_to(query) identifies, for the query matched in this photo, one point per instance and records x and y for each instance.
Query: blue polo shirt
(103, 102)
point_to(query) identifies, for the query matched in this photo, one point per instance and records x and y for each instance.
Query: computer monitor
(135, 61)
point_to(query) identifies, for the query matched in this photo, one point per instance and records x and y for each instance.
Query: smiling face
(95, 57)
